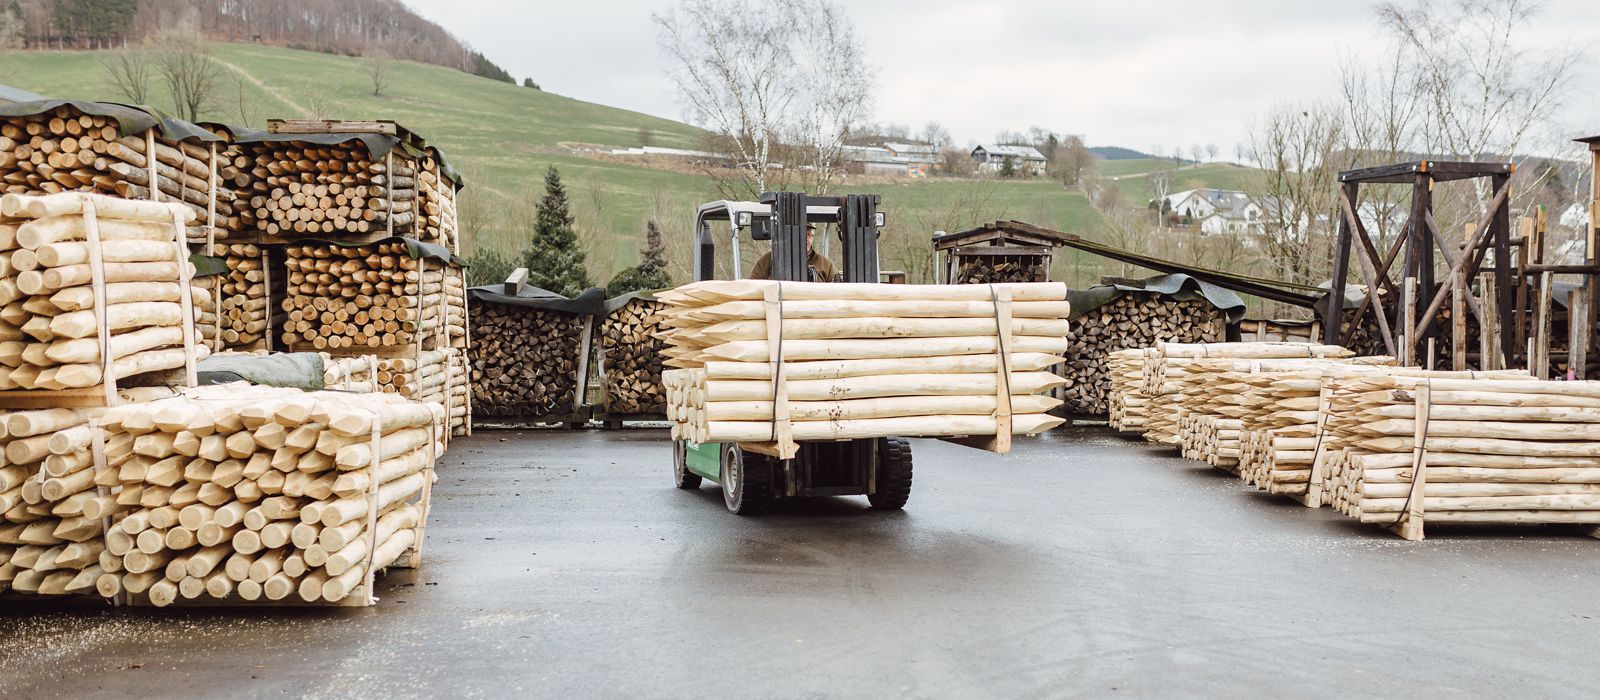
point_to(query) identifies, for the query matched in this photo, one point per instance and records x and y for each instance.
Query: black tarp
(131, 119)
(416, 248)
(377, 145)
(615, 303)
(1177, 287)
(592, 302)
(11, 94)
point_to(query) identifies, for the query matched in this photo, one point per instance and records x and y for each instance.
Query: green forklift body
(705, 460)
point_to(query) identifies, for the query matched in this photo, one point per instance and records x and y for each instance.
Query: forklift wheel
(681, 476)
(746, 480)
(894, 475)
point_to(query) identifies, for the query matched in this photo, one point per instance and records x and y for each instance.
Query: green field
(1223, 176)
(503, 137)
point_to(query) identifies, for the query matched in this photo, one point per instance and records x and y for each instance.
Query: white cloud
(1134, 74)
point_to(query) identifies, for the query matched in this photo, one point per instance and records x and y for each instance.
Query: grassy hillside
(504, 137)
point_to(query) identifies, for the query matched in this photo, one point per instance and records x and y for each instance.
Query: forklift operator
(818, 267)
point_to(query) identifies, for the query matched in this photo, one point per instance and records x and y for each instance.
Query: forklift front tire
(681, 476)
(746, 480)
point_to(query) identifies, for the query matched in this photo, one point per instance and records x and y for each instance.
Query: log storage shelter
(1004, 251)
(530, 352)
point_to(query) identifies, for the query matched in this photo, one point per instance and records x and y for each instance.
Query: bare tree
(129, 74)
(376, 64)
(1073, 160)
(1161, 185)
(1211, 152)
(319, 104)
(1298, 147)
(735, 64)
(182, 63)
(956, 162)
(934, 134)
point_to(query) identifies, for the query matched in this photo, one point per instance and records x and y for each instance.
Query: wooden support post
(1410, 525)
(1501, 230)
(1332, 315)
(1408, 325)
(1489, 335)
(1577, 335)
(1458, 322)
(1540, 357)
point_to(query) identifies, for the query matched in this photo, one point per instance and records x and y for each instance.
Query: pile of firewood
(51, 541)
(630, 353)
(987, 270)
(1417, 450)
(1133, 320)
(65, 150)
(250, 493)
(525, 361)
(370, 296)
(764, 362)
(90, 276)
(305, 189)
(1125, 404)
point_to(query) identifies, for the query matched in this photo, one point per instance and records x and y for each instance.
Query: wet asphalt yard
(566, 565)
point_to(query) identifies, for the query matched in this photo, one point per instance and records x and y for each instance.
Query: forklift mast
(858, 230)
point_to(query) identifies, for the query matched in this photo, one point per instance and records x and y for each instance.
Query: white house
(1216, 211)
(1027, 160)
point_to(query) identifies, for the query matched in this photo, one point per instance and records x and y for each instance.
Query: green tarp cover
(11, 94)
(208, 266)
(296, 370)
(1175, 286)
(131, 119)
(592, 302)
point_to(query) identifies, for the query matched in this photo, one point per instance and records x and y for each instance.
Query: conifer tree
(553, 257)
(650, 273)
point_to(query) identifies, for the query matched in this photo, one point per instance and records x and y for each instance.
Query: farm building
(1026, 159)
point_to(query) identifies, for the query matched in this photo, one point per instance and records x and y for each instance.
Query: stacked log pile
(370, 296)
(1174, 377)
(1419, 450)
(357, 373)
(438, 204)
(244, 319)
(1268, 331)
(764, 362)
(51, 539)
(1125, 404)
(66, 150)
(630, 353)
(1002, 269)
(242, 493)
(437, 376)
(1133, 320)
(303, 189)
(90, 278)
(525, 361)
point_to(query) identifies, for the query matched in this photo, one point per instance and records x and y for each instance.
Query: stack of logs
(371, 296)
(67, 253)
(525, 361)
(630, 353)
(995, 269)
(1418, 450)
(1174, 381)
(1262, 331)
(242, 295)
(438, 204)
(1125, 404)
(249, 493)
(436, 376)
(1133, 320)
(357, 373)
(51, 541)
(65, 150)
(303, 189)
(837, 361)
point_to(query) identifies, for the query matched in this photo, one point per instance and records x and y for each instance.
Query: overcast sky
(1137, 74)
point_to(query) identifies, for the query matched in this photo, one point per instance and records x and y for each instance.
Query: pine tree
(650, 273)
(553, 258)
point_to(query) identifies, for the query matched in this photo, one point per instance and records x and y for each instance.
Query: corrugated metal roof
(1028, 152)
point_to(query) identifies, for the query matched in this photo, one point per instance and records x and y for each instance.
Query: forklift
(879, 468)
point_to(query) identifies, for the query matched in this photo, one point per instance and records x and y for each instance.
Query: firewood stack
(242, 295)
(438, 203)
(1126, 404)
(301, 189)
(51, 541)
(65, 150)
(1175, 379)
(1133, 320)
(370, 296)
(996, 269)
(630, 350)
(858, 361)
(1418, 450)
(241, 493)
(62, 262)
(525, 360)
